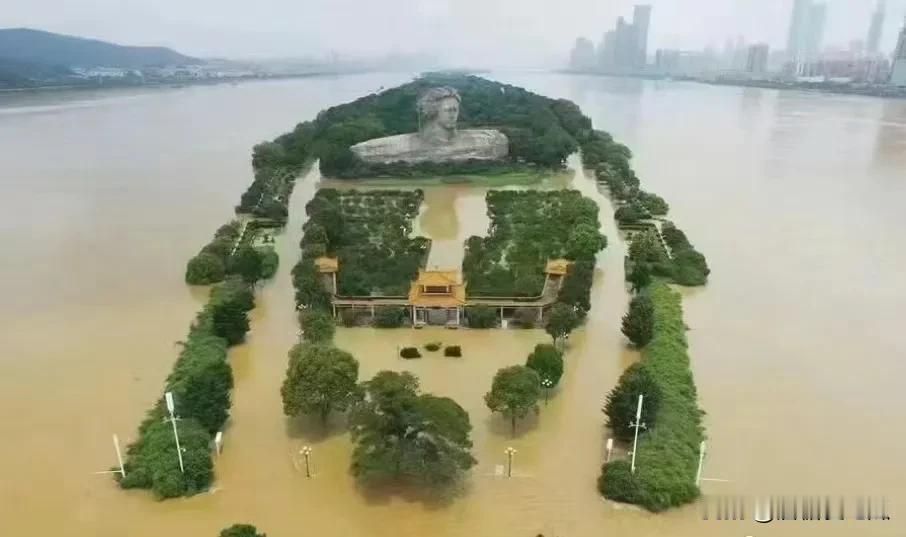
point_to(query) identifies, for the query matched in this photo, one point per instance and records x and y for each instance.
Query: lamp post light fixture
(637, 424)
(510, 451)
(547, 384)
(306, 452)
(171, 408)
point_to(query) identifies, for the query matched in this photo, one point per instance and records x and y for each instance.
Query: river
(795, 198)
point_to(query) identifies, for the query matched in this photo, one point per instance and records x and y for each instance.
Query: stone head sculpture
(438, 111)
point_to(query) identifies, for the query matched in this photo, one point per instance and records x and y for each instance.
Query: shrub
(152, 462)
(638, 323)
(481, 317)
(389, 316)
(645, 247)
(410, 352)
(617, 482)
(317, 326)
(547, 361)
(454, 351)
(434, 346)
(269, 262)
(246, 263)
(653, 203)
(241, 530)
(205, 269)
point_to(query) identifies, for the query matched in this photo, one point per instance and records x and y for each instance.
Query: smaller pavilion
(327, 269)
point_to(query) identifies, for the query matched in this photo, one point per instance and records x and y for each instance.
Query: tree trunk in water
(513, 425)
(325, 413)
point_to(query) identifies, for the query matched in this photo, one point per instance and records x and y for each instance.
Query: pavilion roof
(327, 265)
(557, 267)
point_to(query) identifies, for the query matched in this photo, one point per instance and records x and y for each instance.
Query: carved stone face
(448, 113)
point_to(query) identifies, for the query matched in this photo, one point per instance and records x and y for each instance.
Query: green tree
(622, 401)
(653, 203)
(319, 380)
(514, 393)
(241, 530)
(639, 277)
(317, 326)
(230, 322)
(399, 433)
(638, 323)
(246, 262)
(646, 248)
(269, 262)
(204, 269)
(584, 242)
(547, 361)
(152, 461)
(561, 320)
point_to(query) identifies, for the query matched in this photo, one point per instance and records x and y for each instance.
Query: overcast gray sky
(465, 31)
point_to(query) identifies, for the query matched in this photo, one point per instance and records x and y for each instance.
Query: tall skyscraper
(873, 42)
(806, 29)
(582, 57)
(757, 61)
(625, 48)
(641, 20)
(898, 76)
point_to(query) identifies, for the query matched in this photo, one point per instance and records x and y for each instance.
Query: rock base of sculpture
(469, 144)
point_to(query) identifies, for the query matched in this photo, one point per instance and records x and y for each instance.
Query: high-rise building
(757, 62)
(873, 42)
(806, 29)
(582, 57)
(898, 76)
(625, 47)
(641, 20)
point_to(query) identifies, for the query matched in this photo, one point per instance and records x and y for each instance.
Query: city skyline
(527, 32)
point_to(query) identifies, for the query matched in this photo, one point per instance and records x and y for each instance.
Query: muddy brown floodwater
(797, 343)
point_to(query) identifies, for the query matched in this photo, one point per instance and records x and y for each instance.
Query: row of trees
(201, 381)
(667, 451)
(221, 258)
(400, 432)
(610, 162)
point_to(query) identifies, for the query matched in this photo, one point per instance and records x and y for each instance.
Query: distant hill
(26, 46)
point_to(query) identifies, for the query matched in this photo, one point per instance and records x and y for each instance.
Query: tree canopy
(514, 393)
(547, 361)
(320, 379)
(400, 433)
(561, 320)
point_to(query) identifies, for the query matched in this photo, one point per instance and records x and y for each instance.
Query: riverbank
(879, 91)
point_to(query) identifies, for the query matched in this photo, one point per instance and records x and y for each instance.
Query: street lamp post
(636, 424)
(171, 407)
(510, 451)
(306, 452)
(547, 384)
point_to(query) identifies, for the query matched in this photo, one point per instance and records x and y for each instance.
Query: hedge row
(610, 162)
(668, 451)
(201, 381)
